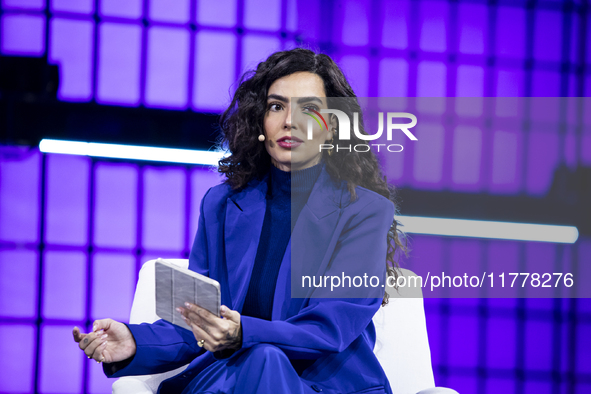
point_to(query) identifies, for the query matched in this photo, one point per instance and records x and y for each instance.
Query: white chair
(402, 346)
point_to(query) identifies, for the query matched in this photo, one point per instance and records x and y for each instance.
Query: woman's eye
(311, 108)
(275, 107)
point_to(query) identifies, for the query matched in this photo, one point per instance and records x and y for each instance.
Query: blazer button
(316, 388)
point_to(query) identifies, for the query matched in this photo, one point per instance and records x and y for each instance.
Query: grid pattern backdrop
(74, 231)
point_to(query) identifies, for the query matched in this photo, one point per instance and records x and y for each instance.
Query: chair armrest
(402, 345)
(143, 310)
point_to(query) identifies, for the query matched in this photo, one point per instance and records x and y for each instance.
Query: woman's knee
(267, 351)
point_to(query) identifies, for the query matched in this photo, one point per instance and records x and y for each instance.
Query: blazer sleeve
(163, 346)
(328, 325)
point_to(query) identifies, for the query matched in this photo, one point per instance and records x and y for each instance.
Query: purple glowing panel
(582, 348)
(64, 285)
(531, 386)
(19, 195)
(262, 14)
(310, 26)
(575, 36)
(428, 155)
(510, 32)
(23, 34)
(67, 199)
(24, 4)
(218, 13)
(167, 68)
(586, 149)
(145, 257)
(164, 209)
(256, 48)
(393, 163)
(131, 9)
(18, 283)
(565, 336)
(546, 84)
(355, 23)
(115, 213)
(506, 386)
(542, 159)
(61, 363)
(548, 35)
(565, 263)
(215, 57)
(467, 152)
(473, 29)
(506, 162)
(17, 346)
(119, 64)
(588, 37)
(431, 79)
(584, 269)
(427, 254)
(112, 294)
(464, 259)
(433, 33)
(176, 11)
(292, 15)
(505, 254)
(76, 6)
(463, 341)
(545, 113)
(98, 383)
(470, 82)
(393, 79)
(501, 341)
(356, 68)
(395, 16)
(463, 384)
(201, 180)
(538, 357)
(71, 47)
(509, 83)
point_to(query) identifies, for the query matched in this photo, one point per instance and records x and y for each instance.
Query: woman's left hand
(214, 333)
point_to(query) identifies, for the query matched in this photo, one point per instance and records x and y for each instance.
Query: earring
(330, 151)
(261, 137)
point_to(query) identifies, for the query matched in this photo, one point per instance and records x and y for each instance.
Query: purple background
(74, 231)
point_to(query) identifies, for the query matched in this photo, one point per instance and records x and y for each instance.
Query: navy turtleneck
(287, 194)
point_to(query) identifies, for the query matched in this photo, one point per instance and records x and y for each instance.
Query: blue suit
(328, 341)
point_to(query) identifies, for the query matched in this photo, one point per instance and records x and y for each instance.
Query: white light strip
(131, 152)
(486, 229)
(412, 224)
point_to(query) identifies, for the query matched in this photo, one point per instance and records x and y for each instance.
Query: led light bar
(412, 224)
(487, 229)
(131, 152)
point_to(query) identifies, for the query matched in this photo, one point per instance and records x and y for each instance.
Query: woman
(286, 207)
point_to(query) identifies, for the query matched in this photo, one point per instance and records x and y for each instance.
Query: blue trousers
(262, 368)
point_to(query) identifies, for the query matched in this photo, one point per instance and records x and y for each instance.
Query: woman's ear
(332, 125)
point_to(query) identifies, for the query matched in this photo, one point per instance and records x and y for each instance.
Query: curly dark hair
(243, 121)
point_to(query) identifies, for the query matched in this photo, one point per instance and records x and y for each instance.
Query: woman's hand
(109, 341)
(213, 333)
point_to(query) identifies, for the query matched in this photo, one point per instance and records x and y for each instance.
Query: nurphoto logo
(345, 130)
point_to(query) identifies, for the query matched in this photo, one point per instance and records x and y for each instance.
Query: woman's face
(286, 121)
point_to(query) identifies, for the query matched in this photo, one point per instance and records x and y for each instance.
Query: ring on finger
(201, 342)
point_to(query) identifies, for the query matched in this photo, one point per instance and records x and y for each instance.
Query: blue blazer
(335, 335)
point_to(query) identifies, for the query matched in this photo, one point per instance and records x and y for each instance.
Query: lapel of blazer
(245, 212)
(310, 246)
